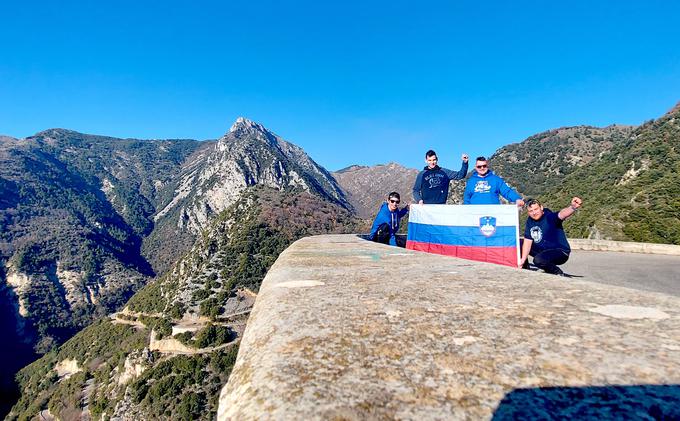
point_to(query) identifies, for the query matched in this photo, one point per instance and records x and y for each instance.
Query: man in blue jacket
(386, 223)
(432, 183)
(485, 188)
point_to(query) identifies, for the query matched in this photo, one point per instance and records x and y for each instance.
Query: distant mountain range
(368, 187)
(88, 222)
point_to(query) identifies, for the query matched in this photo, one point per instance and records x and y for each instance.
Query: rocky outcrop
(66, 368)
(20, 283)
(135, 364)
(247, 155)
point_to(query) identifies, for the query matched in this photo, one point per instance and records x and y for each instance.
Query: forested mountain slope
(632, 192)
(119, 368)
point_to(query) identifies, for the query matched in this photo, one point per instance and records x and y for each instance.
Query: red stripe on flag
(500, 255)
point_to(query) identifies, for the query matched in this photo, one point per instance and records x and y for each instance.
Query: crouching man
(544, 237)
(386, 223)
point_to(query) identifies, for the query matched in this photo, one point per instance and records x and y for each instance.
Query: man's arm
(571, 209)
(526, 248)
(416, 188)
(509, 193)
(379, 219)
(467, 194)
(453, 175)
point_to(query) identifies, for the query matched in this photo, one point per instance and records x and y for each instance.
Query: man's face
(431, 161)
(482, 167)
(393, 203)
(535, 211)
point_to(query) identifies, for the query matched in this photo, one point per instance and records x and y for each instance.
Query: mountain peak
(244, 125)
(674, 110)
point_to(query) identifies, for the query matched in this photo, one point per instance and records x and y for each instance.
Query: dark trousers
(549, 259)
(383, 234)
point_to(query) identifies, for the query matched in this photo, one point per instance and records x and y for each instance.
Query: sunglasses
(482, 166)
(395, 201)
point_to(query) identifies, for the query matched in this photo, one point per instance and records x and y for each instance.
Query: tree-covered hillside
(73, 213)
(207, 287)
(632, 192)
(74, 209)
(543, 160)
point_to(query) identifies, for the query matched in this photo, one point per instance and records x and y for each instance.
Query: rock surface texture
(347, 329)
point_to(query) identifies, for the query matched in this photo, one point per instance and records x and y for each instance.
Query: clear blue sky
(351, 82)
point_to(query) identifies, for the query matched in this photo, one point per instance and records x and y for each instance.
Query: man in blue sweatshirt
(386, 223)
(485, 188)
(432, 183)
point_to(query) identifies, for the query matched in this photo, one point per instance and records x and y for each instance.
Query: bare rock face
(368, 187)
(247, 155)
(67, 368)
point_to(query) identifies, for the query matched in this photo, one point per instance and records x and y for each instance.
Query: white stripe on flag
(462, 215)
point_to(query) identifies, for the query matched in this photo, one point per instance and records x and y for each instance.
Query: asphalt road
(648, 272)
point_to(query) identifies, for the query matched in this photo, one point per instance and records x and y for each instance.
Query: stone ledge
(348, 329)
(623, 246)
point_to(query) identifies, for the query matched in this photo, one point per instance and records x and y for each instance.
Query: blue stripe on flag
(462, 235)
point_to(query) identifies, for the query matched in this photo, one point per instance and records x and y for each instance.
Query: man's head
(431, 159)
(534, 209)
(482, 166)
(393, 201)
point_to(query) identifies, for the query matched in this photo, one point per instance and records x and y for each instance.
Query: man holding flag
(432, 183)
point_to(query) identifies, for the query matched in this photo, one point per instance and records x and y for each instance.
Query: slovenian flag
(487, 233)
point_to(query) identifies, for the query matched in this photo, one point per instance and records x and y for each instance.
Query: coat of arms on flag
(487, 225)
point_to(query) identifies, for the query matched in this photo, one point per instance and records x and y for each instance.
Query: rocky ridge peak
(247, 155)
(243, 123)
(244, 128)
(674, 110)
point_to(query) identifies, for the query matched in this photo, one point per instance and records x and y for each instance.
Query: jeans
(549, 259)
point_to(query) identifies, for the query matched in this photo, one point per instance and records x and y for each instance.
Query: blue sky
(350, 82)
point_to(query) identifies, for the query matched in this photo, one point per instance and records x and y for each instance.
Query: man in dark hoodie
(386, 223)
(544, 236)
(432, 183)
(485, 188)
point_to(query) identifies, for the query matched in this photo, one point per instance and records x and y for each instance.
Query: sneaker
(559, 272)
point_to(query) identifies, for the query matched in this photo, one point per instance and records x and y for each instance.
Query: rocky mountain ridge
(87, 220)
(367, 187)
(247, 155)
